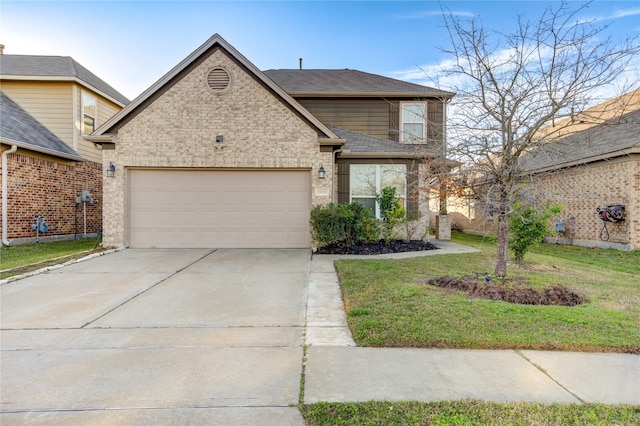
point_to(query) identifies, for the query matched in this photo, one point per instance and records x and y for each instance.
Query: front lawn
(23, 258)
(388, 302)
(468, 413)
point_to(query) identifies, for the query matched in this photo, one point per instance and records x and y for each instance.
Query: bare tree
(513, 85)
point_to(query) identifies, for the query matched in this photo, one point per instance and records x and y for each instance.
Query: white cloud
(616, 14)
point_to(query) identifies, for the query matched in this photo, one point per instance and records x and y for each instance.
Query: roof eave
(370, 95)
(105, 138)
(30, 147)
(616, 154)
(350, 154)
(331, 142)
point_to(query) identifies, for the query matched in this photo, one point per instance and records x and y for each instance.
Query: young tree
(513, 85)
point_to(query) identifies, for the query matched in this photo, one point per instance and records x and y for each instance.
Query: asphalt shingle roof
(360, 143)
(347, 82)
(616, 135)
(16, 125)
(55, 66)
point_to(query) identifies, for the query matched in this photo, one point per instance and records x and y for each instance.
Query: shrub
(343, 223)
(528, 226)
(391, 210)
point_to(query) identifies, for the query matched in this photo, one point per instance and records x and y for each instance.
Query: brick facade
(39, 186)
(580, 190)
(178, 130)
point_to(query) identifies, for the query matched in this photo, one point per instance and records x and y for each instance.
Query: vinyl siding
(49, 103)
(105, 110)
(375, 117)
(365, 116)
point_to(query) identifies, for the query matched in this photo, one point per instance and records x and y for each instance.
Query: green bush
(343, 223)
(528, 226)
(391, 209)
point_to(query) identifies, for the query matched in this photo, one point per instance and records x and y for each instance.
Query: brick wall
(178, 130)
(580, 190)
(37, 186)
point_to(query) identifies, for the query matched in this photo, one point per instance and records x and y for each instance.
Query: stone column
(443, 227)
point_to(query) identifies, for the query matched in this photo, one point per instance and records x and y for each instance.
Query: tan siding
(105, 110)
(49, 103)
(365, 116)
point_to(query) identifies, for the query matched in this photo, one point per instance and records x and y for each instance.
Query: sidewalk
(337, 371)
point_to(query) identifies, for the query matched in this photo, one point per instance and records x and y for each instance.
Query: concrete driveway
(157, 337)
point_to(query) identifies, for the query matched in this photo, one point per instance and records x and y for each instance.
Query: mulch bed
(516, 290)
(381, 247)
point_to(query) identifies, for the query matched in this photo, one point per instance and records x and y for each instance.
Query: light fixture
(111, 170)
(219, 142)
(321, 173)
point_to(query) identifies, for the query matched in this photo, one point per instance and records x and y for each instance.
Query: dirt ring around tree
(515, 290)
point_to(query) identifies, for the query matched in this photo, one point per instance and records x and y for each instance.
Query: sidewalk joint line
(543, 371)
(149, 288)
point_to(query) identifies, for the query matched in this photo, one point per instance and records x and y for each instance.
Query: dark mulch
(381, 247)
(516, 290)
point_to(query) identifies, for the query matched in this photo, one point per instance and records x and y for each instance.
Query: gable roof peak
(212, 42)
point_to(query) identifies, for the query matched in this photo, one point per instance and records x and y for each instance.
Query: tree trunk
(503, 246)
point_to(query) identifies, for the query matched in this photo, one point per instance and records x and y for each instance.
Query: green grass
(389, 305)
(468, 413)
(24, 257)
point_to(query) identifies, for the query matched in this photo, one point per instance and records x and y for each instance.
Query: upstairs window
(89, 113)
(414, 122)
(367, 180)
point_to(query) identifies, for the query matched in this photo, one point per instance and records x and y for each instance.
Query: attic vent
(218, 79)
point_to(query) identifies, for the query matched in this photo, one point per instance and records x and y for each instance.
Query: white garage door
(223, 209)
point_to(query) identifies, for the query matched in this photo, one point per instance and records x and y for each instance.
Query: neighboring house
(49, 105)
(595, 162)
(220, 154)
(591, 169)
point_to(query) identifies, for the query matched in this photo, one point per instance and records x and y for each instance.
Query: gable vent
(218, 79)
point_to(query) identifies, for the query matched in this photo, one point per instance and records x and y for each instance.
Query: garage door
(224, 209)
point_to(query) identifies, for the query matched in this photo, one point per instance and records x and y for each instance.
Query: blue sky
(132, 44)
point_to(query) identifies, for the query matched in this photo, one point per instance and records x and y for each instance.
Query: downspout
(5, 186)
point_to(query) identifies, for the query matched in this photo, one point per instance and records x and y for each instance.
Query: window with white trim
(413, 119)
(89, 113)
(367, 180)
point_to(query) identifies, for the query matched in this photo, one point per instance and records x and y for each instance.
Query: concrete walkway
(337, 371)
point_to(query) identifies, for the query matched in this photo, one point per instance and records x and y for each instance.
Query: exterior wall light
(111, 170)
(219, 142)
(321, 173)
